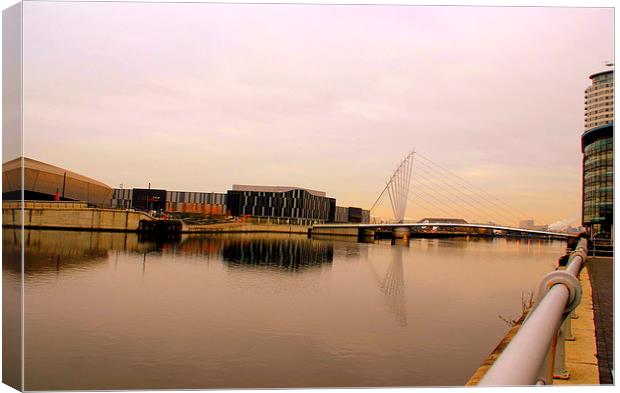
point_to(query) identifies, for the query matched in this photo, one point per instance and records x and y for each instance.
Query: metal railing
(536, 353)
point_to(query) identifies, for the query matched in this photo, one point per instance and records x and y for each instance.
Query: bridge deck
(447, 224)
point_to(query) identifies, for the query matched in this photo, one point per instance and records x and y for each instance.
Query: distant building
(526, 224)
(597, 148)
(47, 182)
(442, 220)
(297, 205)
(204, 203)
(147, 199)
(351, 215)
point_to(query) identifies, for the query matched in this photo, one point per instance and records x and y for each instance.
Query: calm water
(106, 311)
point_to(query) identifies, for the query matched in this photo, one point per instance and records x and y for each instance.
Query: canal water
(109, 311)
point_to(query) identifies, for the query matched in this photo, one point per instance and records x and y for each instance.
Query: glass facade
(299, 205)
(598, 168)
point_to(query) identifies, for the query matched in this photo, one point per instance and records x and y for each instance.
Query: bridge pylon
(397, 188)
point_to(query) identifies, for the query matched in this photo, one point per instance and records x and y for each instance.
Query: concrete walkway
(602, 276)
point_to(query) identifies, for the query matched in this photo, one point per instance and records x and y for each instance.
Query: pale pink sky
(200, 96)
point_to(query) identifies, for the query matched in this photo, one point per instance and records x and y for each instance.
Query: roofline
(23, 162)
(257, 188)
(601, 73)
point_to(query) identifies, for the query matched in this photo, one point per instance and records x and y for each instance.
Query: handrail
(530, 357)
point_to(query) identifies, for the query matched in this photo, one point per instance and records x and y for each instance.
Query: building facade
(203, 203)
(599, 100)
(597, 146)
(295, 204)
(597, 165)
(351, 215)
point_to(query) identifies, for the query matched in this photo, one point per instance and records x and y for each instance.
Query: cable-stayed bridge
(444, 199)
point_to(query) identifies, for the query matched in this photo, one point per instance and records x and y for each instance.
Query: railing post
(559, 361)
(569, 327)
(545, 376)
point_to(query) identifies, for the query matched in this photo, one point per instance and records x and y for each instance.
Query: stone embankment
(70, 216)
(79, 216)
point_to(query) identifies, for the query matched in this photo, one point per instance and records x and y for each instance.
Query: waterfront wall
(338, 231)
(241, 227)
(71, 215)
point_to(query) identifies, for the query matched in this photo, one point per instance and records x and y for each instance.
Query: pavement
(601, 274)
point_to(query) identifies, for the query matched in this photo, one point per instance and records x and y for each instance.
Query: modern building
(599, 96)
(203, 203)
(351, 215)
(597, 148)
(47, 182)
(295, 204)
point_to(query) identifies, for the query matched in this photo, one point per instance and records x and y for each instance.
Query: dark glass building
(147, 199)
(298, 205)
(597, 146)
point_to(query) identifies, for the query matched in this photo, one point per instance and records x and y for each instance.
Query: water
(106, 311)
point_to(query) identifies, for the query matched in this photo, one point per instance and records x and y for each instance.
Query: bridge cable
(432, 203)
(484, 210)
(471, 185)
(458, 207)
(475, 195)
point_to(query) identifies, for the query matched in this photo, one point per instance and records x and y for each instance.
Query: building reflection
(284, 253)
(49, 250)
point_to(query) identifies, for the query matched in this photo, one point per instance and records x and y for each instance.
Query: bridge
(434, 190)
(320, 228)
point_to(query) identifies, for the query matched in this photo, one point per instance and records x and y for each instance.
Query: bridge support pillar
(366, 235)
(401, 233)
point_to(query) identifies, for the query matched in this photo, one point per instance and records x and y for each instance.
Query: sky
(198, 97)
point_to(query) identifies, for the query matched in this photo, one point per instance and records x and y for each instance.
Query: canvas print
(228, 196)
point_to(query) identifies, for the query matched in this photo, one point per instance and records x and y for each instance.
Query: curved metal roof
(48, 179)
(29, 163)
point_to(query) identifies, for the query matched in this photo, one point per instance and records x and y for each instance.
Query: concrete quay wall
(338, 231)
(235, 227)
(71, 216)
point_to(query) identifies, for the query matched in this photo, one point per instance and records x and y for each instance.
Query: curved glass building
(598, 180)
(597, 146)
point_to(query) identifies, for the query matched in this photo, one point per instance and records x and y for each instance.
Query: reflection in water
(55, 250)
(44, 251)
(113, 311)
(286, 253)
(392, 286)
